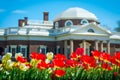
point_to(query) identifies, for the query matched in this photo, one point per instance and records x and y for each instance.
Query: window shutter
(9, 49)
(17, 49)
(46, 49)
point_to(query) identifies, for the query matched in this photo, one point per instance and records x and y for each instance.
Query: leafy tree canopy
(118, 28)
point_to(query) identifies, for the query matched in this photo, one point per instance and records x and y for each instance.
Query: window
(68, 49)
(23, 50)
(6, 50)
(91, 30)
(13, 49)
(56, 25)
(68, 23)
(104, 49)
(117, 49)
(84, 21)
(42, 49)
(58, 49)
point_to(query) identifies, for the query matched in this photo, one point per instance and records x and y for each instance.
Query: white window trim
(68, 48)
(6, 50)
(57, 51)
(24, 46)
(84, 20)
(68, 21)
(117, 49)
(105, 49)
(13, 46)
(23, 24)
(43, 46)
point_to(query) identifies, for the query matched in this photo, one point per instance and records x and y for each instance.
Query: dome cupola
(74, 16)
(76, 13)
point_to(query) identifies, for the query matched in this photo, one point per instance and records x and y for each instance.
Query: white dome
(76, 13)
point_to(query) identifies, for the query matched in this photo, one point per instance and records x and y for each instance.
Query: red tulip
(33, 55)
(71, 63)
(96, 54)
(38, 56)
(105, 57)
(115, 74)
(60, 57)
(59, 73)
(51, 65)
(113, 60)
(73, 56)
(42, 65)
(21, 59)
(90, 61)
(79, 51)
(41, 56)
(59, 63)
(28, 65)
(106, 66)
(117, 55)
(85, 66)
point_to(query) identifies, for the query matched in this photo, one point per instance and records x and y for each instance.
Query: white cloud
(2, 10)
(19, 11)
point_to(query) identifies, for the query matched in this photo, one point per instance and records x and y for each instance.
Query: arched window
(91, 30)
(68, 23)
(56, 25)
(84, 21)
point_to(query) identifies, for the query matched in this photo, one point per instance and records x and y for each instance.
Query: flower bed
(99, 66)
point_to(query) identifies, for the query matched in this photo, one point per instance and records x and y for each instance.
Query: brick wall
(75, 22)
(51, 45)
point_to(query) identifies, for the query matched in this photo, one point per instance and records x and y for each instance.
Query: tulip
(59, 73)
(49, 55)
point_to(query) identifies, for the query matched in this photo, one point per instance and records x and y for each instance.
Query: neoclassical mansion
(73, 28)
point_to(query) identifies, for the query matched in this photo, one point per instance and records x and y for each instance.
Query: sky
(107, 11)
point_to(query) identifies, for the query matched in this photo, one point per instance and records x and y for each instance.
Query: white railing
(30, 31)
(62, 30)
(38, 22)
(2, 31)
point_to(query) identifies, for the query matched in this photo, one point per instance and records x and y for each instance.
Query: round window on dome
(56, 25)
(68, 23)
(84, 21)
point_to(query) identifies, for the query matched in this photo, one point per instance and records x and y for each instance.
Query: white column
(108, 47)
(65, 48)
(84, 46)
(101, 46)
(96, 45)
(71, 46)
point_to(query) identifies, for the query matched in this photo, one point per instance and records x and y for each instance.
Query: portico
(87, 45)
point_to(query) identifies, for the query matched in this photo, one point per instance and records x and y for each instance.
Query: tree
(118, 28)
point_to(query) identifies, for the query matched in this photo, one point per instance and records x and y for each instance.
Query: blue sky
(107, 11)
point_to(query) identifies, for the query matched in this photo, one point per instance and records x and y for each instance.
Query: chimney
(26, 20)
(21, 22)
(45, 16)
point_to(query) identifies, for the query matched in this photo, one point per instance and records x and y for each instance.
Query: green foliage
(118, 28)
(32, 74)
(77, 73)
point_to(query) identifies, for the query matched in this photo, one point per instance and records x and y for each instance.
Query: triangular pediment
(91, 29)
